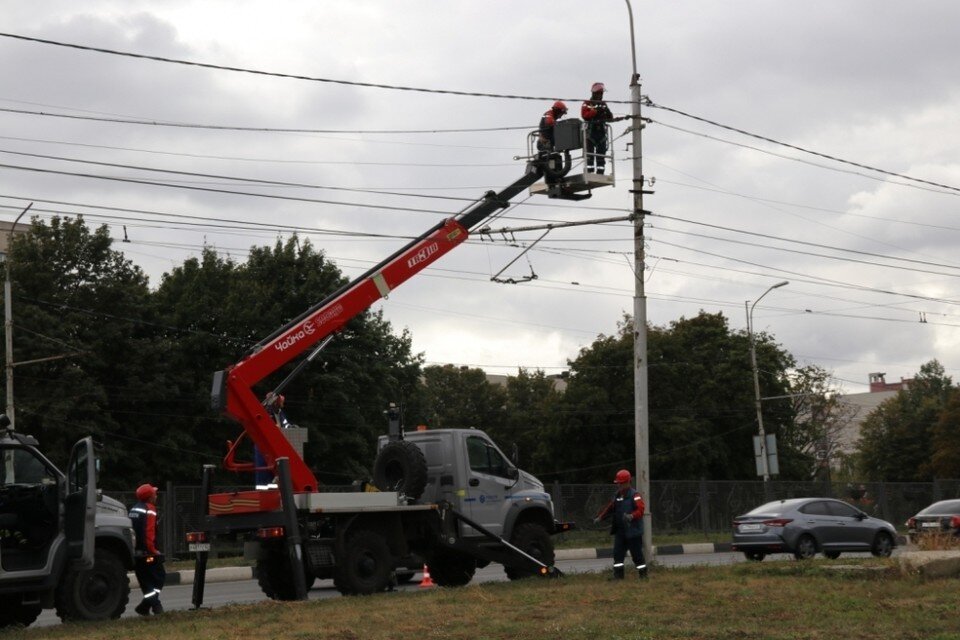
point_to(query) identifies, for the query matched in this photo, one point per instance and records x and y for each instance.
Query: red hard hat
(622, 477)
(597, 87)
(559, 106)
(146, 492)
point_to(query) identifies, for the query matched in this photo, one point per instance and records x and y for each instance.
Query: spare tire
(401, 466)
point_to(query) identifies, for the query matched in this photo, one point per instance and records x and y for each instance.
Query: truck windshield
(21, 467)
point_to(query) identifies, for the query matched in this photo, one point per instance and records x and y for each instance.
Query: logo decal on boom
(422, 255)
(308, 328)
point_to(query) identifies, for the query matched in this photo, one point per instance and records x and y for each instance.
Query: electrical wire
(290, 76)
(787, 145)
(218, 127)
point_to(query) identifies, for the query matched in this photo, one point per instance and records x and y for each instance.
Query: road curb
(222, 574)
(662, 550)
(231, 574)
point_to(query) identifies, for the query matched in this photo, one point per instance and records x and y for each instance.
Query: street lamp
(756, 379)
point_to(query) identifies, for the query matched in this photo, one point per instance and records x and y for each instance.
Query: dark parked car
(807, 526)
(941, 517)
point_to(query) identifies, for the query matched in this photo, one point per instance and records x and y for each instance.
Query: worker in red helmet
(148, 559)
(596, 114)
(547, 122)
(626, 511)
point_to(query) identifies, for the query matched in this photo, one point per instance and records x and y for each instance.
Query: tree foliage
(83, 338)
(897, 438)
(945, 461)
(821, 420)
(134, 367)
(701, 403)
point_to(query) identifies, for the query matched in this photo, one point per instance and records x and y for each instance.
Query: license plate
(930, 525)
(751, 527)
(199, 546)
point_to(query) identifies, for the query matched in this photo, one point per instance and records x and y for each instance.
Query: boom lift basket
(565, 175)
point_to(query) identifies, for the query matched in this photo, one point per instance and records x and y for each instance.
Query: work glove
(627, 519)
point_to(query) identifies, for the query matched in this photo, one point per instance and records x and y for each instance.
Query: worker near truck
(626, 511)
(596, 114)
(148, 559)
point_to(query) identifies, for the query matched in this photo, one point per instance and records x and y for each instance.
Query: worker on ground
(547, 122)
(626, 509)
(596, 114)
(149, 560)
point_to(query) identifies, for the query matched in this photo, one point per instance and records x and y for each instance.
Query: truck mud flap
(494, 548)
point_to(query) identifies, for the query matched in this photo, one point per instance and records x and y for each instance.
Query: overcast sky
(869, 255)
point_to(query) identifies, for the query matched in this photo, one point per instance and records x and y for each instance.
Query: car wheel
(755, 556)
(833, 555)
(806, 548)
(882, 545)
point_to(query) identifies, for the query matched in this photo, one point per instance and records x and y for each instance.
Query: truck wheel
(366, 566)
(14, 612)
(94, 594)
(532, 539)
(401, 466)
(273, 573)
(451, 569)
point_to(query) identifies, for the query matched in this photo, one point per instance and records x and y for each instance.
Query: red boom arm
(233, 388)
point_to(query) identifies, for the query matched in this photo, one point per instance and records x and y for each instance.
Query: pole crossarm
(557, 225)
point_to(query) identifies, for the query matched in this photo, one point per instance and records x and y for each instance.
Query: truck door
(80, 503)
(489, 477)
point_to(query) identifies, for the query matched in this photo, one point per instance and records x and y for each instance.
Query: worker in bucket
(149, 560)
(626, 511)
(596, 114)
(547, 122)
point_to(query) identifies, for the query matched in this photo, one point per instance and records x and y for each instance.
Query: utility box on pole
(773, 467)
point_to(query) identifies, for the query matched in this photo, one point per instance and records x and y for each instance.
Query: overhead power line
(291, 76)
(654, 105)
(218, 127)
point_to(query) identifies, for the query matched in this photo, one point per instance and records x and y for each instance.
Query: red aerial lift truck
(359, 539)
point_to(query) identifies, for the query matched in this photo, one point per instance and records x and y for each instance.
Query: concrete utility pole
(640, 399)
(8, 319)
(764, 464)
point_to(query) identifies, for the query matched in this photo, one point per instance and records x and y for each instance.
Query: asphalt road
(218, 594)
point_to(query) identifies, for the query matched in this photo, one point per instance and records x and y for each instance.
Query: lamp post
(640, 398)
(8, 319)
(756, 379)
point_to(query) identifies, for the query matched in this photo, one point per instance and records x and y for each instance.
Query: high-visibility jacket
(626, 509)
(144, 518)
(595, 113)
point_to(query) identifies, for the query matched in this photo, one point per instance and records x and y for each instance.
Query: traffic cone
(427, 581)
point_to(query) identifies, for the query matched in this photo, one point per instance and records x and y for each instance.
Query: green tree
(945, 462)
(339, 398)
(83, 329)
(896, 439)
(460, 397)
(812, 440)
(701, 403)
(531, 407)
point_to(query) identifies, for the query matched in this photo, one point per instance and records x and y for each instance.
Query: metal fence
(675, 506)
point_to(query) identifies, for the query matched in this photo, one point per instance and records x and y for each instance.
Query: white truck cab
(468, 470)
